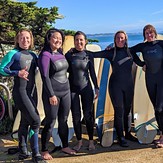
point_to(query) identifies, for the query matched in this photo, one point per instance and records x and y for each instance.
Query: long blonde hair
(126, 43)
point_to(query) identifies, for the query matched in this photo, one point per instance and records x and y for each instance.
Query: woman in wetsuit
(81, 68)
(121, 87)
(56, 90)
(21, 63)
(152, 51)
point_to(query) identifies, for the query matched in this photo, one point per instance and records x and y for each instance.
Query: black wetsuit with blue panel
(24, 95)
(81, 68)
(121, 85)
(53, 68)
(152, 53)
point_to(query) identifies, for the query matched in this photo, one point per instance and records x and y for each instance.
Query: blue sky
(106, 16)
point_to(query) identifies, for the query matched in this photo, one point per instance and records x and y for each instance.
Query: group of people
(61, 93)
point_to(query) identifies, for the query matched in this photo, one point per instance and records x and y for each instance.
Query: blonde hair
(126, 43)
(18, 34)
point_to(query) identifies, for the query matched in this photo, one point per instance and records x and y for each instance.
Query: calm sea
(106, 39)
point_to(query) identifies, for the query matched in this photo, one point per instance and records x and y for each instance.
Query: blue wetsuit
(53, 68)
(23, 95)
(121, 86)
(81, 67)
(153, 56)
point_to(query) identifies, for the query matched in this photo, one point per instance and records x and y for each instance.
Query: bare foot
(91, 145)
(78, 146)
(160, 142)
(69, 151)
(46, 155)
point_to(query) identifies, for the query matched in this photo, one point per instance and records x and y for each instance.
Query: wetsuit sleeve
(92, 72)
(7, 62)
(136, 48)
(137, 60)
(103, 54)
(133, 51)
(44, 65)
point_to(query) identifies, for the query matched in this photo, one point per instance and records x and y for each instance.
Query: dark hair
(47, 38)
(151, 28)
(80, 33)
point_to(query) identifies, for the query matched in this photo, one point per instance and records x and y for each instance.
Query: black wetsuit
(121, 87)
(23, 95)
(153, 56)
(81, 67)
(53, 68)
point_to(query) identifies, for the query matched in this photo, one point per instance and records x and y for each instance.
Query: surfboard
(109, 134)
(94, 48)
(144, 118)
(104, 108)
(68, 43)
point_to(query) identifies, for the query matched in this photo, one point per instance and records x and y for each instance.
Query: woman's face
(80, 42)
(24, 40)
(120, 40)
(149, 35)
(55, 41)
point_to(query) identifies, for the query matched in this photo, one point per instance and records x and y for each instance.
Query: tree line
(15, 15)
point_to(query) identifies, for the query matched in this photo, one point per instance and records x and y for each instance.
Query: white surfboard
(144, 118)
(94, 48)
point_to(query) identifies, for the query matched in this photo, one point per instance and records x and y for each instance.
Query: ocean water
(106, 39)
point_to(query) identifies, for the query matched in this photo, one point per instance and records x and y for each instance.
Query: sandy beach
(135, 153)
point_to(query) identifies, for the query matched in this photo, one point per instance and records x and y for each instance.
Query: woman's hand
(109, 46)
(53, 100)
(144, 68)
(23, 73)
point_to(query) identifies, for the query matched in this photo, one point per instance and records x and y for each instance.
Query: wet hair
(80, 33)
(18, 34)
(49, 33)
(126, 43)
(151, 28)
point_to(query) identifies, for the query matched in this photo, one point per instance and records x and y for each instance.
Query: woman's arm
(44, 65)
(93, 76)
(7, 62)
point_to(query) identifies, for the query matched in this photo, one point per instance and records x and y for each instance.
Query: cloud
(157, 12)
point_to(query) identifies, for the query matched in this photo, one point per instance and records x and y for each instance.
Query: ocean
(106, 39)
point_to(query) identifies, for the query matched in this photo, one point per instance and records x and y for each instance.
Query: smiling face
(80, 42)
(120, 39)
(55, 41)
(24, 40)
(150, 35)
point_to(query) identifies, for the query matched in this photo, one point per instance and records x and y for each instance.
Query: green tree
(15, 15)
